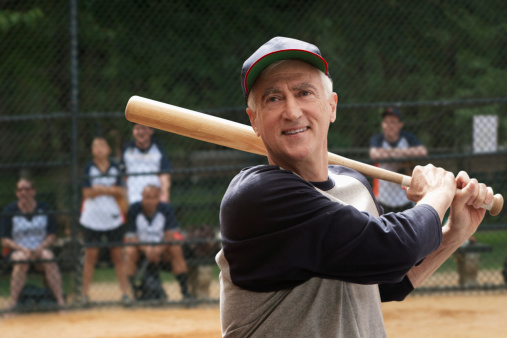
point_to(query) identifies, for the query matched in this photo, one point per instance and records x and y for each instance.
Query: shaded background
(68, 68)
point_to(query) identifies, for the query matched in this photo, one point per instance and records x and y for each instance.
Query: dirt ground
(417, 316)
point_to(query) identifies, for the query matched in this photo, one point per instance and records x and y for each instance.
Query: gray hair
(327, 84)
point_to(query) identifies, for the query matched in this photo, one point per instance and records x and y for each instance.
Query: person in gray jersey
(306, 251)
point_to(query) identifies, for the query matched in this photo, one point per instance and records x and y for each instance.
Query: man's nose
(292, 110)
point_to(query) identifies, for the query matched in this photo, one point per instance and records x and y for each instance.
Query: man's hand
(27, 252)
(465, 216)
(466, 212)
(433, 186)
(37, 252)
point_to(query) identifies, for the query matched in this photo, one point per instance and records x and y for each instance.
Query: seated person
(28, 231)
(153, 221)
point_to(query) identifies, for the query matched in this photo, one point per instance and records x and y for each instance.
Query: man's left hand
(466, 213)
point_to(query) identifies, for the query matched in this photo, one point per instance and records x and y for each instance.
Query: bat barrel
(193, 124)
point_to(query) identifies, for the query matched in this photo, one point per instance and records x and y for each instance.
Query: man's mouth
(295, 131)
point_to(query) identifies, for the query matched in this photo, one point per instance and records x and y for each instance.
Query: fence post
(74, 109)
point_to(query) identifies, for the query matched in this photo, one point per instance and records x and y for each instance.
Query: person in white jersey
(152, 221)
(101, 218)
(306, 252)
(145, 162)
(27, 230)
(394, 143)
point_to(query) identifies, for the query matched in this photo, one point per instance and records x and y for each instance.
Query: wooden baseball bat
(235, 135)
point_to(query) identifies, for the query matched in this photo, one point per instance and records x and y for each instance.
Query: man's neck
(311, 171)
(144, 145)
(392, 139)
(149, 214)
(27, 206)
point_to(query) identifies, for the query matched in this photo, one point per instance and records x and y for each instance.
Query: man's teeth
(295, 131)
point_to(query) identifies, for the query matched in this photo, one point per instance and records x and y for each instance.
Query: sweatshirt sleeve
(278, 231)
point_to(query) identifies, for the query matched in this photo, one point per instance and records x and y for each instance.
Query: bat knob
(497, 205)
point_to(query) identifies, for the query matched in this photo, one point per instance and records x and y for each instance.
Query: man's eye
(272, 99)
(305, 93)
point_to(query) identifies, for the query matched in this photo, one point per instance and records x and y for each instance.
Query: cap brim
(261, 64)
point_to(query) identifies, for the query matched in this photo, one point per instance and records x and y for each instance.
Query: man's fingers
(473, 182)
(462, 179)
(481, 195)
(489, 196)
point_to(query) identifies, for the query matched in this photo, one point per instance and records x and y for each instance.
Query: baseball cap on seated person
(391, 111)
(276, 49)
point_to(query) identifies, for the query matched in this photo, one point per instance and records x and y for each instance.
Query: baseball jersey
(391, 194)
(151, 229)
(27, 230)
(143, 167)
(303, 259)
(102, 212)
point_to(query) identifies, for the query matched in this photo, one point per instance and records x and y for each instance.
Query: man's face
(391, 125)
(100, 148)
(142, 135)
(292, 113)
(151, 197)
(24, 191)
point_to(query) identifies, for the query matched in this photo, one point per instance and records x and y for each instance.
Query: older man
(305, 250)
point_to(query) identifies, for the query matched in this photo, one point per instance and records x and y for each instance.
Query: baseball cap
(391, 111)
(279, 48)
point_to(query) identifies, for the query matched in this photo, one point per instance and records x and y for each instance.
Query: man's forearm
(48, 241)
(9, 243)
(450, 243)
(165, 187)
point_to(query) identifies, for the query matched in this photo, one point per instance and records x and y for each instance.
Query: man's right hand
(433, 186)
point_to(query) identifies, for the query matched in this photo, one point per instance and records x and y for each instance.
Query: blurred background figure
(152, 221)
(101, 215)
(28, 230)
(394, 143)
(145, 163)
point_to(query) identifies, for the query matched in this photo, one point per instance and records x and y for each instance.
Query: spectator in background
(146, 163)
(28, 230)
(394, 142)
(153, 221)
(101, 214)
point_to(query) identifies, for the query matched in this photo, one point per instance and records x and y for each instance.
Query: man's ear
(253, 119)
(333, 102)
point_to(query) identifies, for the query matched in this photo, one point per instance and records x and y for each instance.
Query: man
(101, 216)
(391, 144)
(28, 230)
(152, 221)
(305, 253)
(146, 163)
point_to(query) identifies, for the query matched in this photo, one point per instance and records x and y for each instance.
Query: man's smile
(295, 131)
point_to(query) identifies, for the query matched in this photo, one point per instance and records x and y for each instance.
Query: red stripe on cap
(278, 51)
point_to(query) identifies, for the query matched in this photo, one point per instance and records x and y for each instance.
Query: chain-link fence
(68, 69)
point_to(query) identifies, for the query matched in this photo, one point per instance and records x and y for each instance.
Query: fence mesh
(68, 68)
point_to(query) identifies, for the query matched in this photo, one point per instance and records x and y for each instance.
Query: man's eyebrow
(304, 85)
(270, 91)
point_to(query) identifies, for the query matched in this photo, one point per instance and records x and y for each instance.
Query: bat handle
(494, 207)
